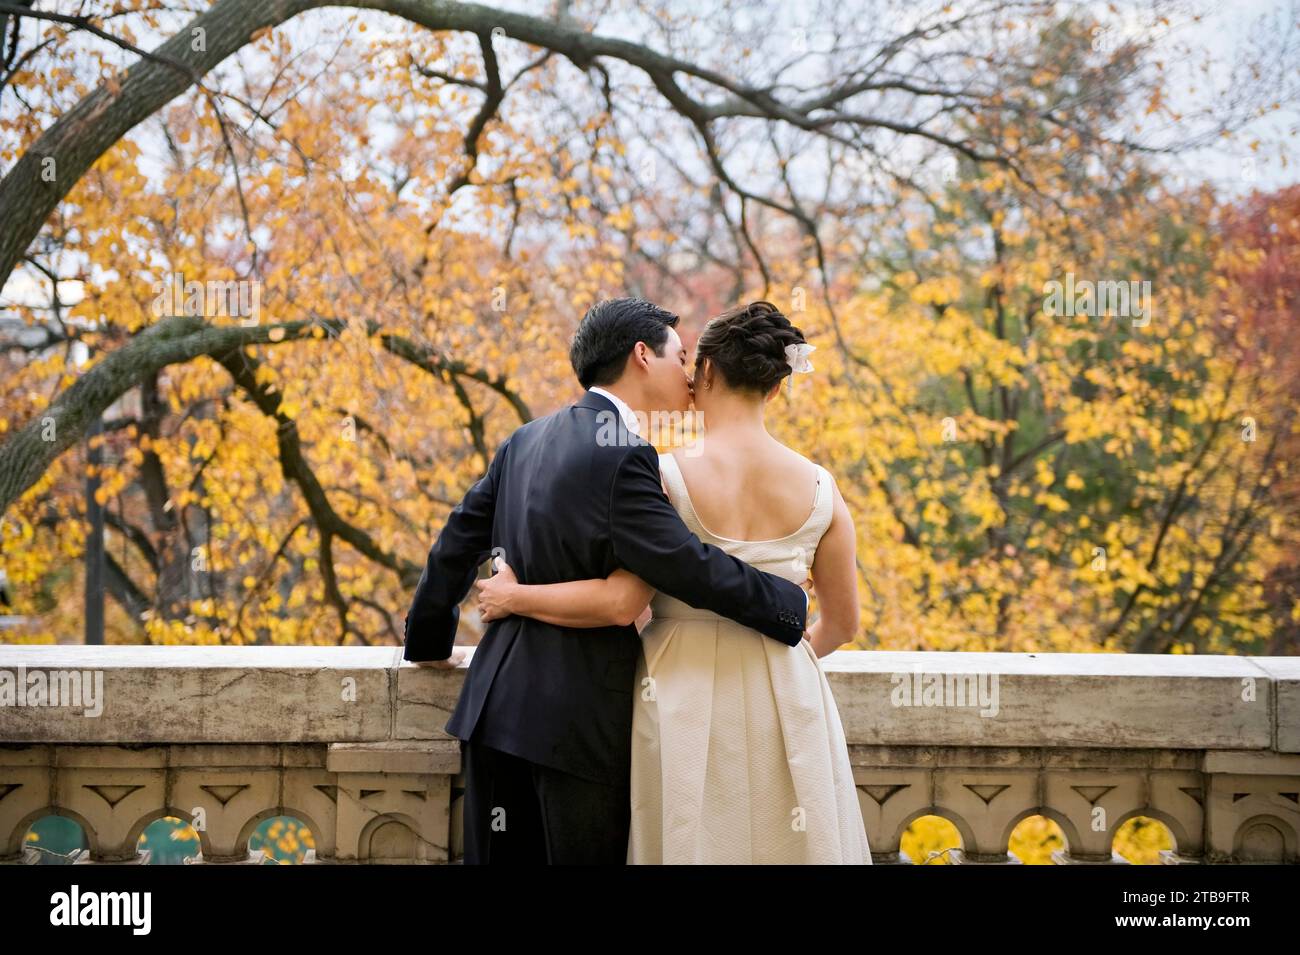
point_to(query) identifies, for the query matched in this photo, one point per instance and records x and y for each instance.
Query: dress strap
(668, 470)
(823, 502)
(679, 497)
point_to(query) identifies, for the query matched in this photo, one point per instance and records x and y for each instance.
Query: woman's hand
(496, 593)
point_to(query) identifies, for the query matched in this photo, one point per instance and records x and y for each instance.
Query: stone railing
(351, 742)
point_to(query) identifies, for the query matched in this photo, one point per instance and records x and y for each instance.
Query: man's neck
(633, 418)
(621, 394)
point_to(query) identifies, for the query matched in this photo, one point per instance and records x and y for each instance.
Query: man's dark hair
(607, 334)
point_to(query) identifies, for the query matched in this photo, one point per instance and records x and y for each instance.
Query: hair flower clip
(796, 357)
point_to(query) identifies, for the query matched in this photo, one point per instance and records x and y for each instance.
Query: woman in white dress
(738, 752)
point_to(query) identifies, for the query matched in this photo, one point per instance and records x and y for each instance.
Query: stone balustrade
(350, 741)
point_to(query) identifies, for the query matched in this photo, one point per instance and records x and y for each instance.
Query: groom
(545, 715)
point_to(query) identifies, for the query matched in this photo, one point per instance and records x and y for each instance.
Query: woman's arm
(616, 600)
(835, 576)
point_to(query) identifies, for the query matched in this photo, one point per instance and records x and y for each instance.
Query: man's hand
(456, 659)
(496, 593)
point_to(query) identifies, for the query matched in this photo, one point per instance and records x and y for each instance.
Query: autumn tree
(424, 196)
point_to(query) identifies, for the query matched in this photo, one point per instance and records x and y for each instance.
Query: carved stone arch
(1258, 825)
(153, 815)
(963, 829)
(250, 825)
(1068, 829)
(15, 840)
(1171, 822)
(380, 826)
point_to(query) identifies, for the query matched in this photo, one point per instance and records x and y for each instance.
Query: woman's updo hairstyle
(746, 345)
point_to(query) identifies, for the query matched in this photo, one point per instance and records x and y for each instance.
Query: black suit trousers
(520, 812)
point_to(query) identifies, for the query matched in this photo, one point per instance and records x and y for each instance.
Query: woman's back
(747, 490)
(797, 507)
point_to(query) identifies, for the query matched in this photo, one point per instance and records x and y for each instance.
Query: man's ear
(640, 351)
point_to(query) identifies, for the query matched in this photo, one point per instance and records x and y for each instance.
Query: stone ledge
(367, 695)
(431, 756)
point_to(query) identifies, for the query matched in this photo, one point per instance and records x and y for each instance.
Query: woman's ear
(710, 373)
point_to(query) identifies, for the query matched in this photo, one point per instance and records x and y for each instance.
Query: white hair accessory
(796, 357)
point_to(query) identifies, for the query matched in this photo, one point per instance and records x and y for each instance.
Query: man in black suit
(545, 715)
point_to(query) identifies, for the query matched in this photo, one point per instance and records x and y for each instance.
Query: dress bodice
(790, 556)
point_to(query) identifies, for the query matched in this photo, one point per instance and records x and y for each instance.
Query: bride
(738, 752)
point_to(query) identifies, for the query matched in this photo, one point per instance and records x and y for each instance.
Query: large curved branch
(428, 359)
(88, 130)
(125, 591)
(30, 451)
(296, 468)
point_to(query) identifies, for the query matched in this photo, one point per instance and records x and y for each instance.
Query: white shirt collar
(624, 410)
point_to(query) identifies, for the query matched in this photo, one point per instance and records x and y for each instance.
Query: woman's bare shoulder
(787, 457)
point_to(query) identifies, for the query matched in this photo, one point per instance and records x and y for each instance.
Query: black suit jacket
(572, 496)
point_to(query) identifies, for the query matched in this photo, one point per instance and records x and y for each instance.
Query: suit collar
(631, 420)
(596, 402)
(628, 420)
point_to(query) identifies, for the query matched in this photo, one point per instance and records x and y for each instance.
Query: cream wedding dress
(738, 753)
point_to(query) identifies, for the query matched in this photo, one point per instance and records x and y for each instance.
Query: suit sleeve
(652, 541)
(452, 566)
